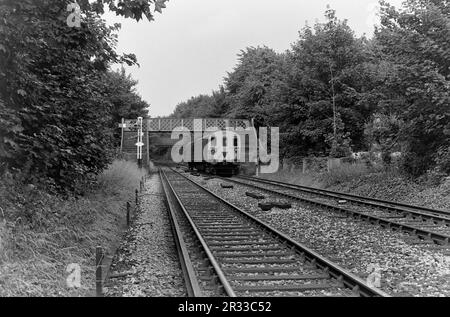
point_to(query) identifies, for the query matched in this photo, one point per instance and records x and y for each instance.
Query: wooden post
(128, 213)
(99, 255)
(137, 197)
(304, 167)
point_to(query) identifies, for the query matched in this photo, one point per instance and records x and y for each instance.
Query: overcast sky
(191, 46)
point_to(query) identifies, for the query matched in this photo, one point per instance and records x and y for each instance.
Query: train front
(222, 153)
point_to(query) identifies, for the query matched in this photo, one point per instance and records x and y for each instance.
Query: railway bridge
(156, 133)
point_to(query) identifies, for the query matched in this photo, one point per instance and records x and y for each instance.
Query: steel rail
(375, 202)
(191, 282)
(216, 267)
(348, 279)
(437, 237)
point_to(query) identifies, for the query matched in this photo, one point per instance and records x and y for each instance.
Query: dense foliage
(212, 106)
(415, 45)
(123, 99)
(333, 92)
(59, 102)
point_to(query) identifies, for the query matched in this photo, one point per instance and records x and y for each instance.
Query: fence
(308, 164)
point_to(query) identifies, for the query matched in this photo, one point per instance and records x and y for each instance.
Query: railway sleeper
(256, 196)
(265, 207)
(254, 254)
(212, 217)
(245, 248)
(228, 231)
(216, 228)
(225, 233)
(243, 239)
(265, 269)
(262, 277)
(281, 205)
(285, 288)
(227, 260)
(216, 224)
(232, 237)
(261, 243)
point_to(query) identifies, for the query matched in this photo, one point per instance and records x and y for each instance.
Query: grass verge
(42, 233)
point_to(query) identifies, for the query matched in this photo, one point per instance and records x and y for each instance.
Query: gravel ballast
(405, 269)
(368, 210)
(148, 253)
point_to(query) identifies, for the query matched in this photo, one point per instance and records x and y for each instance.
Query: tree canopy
(58, 99)
(414, 43)
(329, 92)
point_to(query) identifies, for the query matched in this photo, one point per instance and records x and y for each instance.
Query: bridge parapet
(170, 124)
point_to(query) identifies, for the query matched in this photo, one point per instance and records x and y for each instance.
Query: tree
(327, 90)
(319, 93)
(251, 86)
(414, 43)
(135, 9)
(54, 107)
(204, 106)
(197, 107)
(383, 134)
(124, 101)
(328, 62)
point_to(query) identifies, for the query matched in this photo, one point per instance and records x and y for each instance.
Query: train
(219, 156)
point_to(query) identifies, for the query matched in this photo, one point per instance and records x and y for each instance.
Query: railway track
(360, 200)
(426, 224)
(227, 252)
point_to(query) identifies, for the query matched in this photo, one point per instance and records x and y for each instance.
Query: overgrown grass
(120, 175)
(344, 173)
(42, 233)
(295, 176)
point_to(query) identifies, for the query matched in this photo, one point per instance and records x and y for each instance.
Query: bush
(443, 160)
